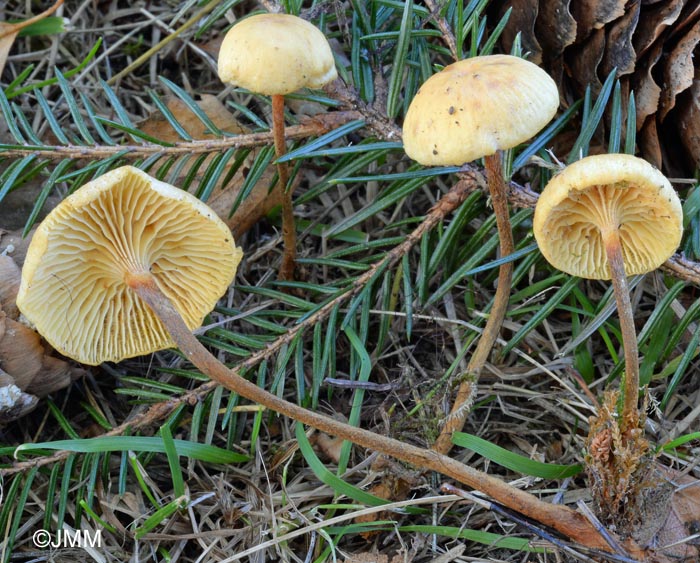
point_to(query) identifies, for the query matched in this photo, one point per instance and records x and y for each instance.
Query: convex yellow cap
(276, 54)
(477, 106)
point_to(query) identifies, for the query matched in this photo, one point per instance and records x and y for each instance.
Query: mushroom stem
(288, 224)
(499, 199)
(630, 411)
(561, 518)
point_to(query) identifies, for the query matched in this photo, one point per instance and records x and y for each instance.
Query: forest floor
(377, 328)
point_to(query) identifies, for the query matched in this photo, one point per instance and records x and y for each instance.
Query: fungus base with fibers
(607, 217)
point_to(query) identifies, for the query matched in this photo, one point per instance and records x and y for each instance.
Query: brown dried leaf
(258, 203)
(688, 119)
(10, 277)
(55, 374)
(679, 71)
(683, 520)
(9, 31)
(21, 353)
(522, 20)
(555, 27)
(157, 126)
(653, 22)
(619, 52)
(594, 14)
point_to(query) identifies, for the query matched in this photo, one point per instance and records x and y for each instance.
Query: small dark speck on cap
(451, 110)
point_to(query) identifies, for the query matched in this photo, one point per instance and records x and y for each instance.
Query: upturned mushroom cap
(603, 192)
(276, 54)
(477, 106)
(122, 225)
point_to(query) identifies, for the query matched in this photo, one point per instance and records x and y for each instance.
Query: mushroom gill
(643, 219)
(122, 226)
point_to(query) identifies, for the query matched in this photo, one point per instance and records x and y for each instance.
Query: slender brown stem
(289, 233)
(460, 408)
(561, 518)
(630, 409)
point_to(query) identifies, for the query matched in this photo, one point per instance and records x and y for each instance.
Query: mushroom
(125, 257)
(471, 109)
(123, 231)
(608, 217)
(277, 54)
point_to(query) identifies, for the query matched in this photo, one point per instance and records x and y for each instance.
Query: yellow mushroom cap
(603, 192)
(122, 224)
(477, 106)
(276, 54)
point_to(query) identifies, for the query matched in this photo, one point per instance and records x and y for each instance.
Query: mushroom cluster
(141, 259)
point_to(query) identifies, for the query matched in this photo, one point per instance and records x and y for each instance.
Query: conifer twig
(311, 127)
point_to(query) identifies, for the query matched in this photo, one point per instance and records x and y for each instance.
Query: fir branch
(311, 127)
(159, 411)
(447, 35)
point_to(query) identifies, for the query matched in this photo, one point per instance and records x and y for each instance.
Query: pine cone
(650, 43)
